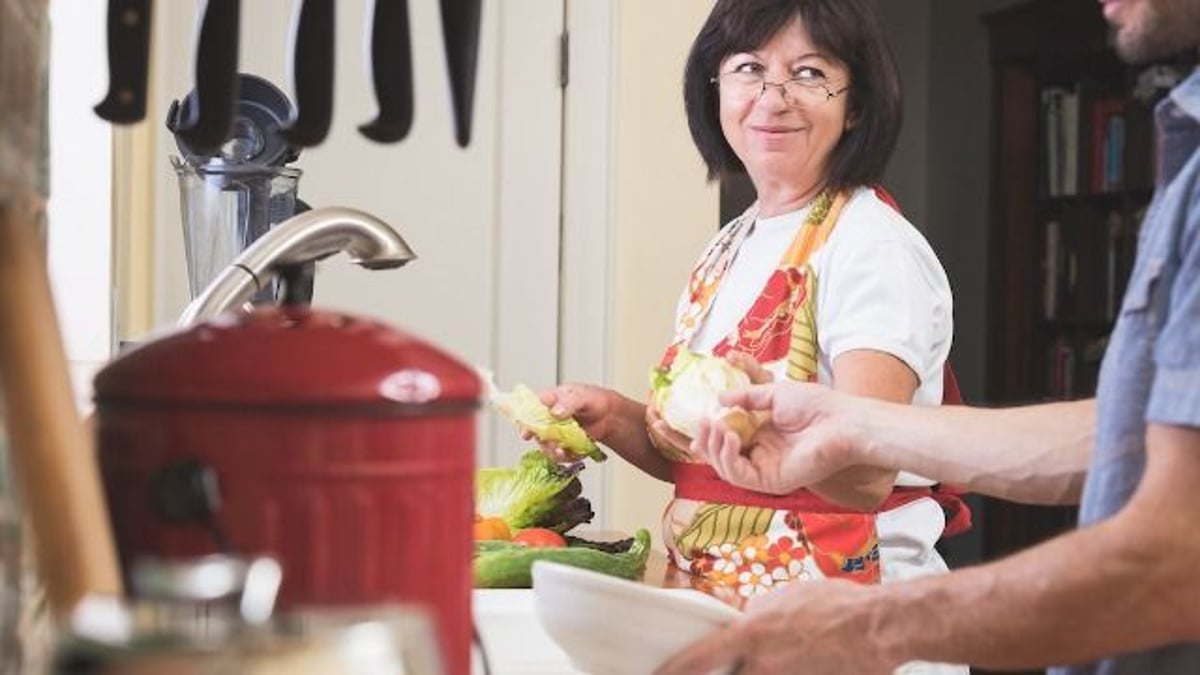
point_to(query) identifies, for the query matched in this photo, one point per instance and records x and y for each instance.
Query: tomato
(491, 528)
(539, 537)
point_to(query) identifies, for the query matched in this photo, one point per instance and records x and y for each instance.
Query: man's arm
(1128, 583)
(1034, 454)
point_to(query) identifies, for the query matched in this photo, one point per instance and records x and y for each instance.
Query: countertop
(514, 639)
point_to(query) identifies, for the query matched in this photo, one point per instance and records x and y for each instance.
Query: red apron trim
(700, 482)
(958, 514)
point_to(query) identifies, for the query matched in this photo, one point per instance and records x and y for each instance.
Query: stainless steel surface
(363, 640)
(210, 578)
(309, 236)
(207, 599)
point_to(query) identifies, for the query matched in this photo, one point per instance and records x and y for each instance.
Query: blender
(230, 198)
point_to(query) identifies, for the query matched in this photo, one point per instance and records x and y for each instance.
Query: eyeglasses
(746, 85)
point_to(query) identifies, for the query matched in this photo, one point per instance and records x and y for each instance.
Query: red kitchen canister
(341, 446)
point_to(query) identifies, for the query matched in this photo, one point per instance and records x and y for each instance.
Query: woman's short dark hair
(847, 30)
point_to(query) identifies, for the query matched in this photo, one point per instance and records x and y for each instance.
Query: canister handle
(212, 578)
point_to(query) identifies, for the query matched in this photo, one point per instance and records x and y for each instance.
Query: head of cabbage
(687, 392)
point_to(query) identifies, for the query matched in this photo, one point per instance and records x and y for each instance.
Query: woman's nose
(774, 96)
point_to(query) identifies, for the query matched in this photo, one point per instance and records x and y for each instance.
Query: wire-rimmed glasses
(750, 85)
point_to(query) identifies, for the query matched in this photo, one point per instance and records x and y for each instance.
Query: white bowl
(613, 626)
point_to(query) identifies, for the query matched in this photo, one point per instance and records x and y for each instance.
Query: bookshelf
(1072, 172)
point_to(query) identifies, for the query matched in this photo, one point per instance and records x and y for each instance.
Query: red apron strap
(951, 394)
(700, 482)
(958, 514)
(886, 197)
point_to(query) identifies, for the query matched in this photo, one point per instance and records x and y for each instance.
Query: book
(1069, 131)
(1051, 266)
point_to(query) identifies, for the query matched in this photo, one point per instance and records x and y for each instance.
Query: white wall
(664, 213)
(80, 207)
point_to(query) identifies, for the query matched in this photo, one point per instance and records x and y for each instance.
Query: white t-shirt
(879, 286)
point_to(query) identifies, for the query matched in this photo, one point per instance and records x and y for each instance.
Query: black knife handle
(312, 72)
(391, 72)
(128, 61)
(208, 123)
(460, 30)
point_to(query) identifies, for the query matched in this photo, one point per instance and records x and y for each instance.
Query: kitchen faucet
(306, 237)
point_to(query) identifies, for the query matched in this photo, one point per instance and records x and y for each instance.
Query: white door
(484, 221)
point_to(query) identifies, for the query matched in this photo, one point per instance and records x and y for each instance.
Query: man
(1122, 593)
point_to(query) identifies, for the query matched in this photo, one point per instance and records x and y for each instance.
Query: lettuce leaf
(526, 410)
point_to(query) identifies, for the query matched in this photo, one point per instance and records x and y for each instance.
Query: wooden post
(53, 456)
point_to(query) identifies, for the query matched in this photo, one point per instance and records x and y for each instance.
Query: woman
(804, 96)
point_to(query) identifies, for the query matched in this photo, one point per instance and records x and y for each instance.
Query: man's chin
(1154, 38)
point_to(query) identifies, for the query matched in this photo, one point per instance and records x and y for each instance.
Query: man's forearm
(1032, 454)
(1125, 584)
(1068, 601)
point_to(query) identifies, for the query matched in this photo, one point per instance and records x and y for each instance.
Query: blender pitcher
(225, 207)
(231, 198)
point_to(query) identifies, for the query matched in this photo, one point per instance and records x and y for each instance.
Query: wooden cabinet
(1072, 171)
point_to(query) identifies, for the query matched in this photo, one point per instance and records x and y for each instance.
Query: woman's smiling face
(780, 139)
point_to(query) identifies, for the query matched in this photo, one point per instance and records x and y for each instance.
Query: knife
(128, 61)
(460, 30)
(207, 124)
(312, 73)
(391, 71)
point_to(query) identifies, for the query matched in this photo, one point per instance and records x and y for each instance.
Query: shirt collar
(1186, 95)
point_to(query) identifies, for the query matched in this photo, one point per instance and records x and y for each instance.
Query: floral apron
(737, 541)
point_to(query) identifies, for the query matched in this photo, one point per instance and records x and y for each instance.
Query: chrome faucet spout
(306, 237)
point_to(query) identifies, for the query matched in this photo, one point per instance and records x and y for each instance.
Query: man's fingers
(716, 651)
(749, 365)
(754, 397)
(699, 444)
(726, 457)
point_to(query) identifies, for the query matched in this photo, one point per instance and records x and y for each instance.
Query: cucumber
(507, 565)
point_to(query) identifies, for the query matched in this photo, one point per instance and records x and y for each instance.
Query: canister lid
(288, 357)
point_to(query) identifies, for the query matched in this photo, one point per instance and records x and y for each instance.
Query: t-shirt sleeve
(890, 296)
(1175, 393)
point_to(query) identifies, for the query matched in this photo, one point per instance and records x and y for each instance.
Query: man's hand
(812, 434)
(810, 627)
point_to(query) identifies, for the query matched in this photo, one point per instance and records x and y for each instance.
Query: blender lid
(255, 137)
(290, 358)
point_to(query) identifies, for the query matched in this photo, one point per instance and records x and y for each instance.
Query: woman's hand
(592, 407)
(668, 439)
(609, 418)
(664, 436)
